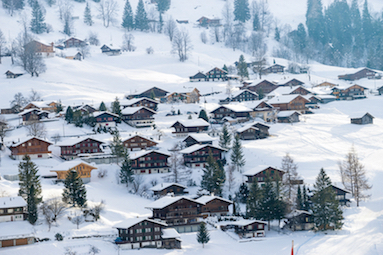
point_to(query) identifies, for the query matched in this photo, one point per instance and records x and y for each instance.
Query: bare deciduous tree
(37, 129)
(128, 43)
(2, 44)
(78, 219)
(290, 175)
(170, 28)
(3, 129)
(228, 17)
(354, 176)
(56, 137)
(108, 11)
(181, 45)
(34, 96)
(18, 101)
(230, 178)
(176, 166)
(93, 39)
(84, 50)
(203, 37)
(53, 209)
(136, 185)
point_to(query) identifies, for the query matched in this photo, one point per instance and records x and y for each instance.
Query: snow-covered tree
(241, 10)
(74, 190)
(242, 68)
(237, 157)
(203, 236)
(141, 19)
(225, 138)
(108, 10)
(88, 15)
(170, 28)
(126, 171)
(127, 17)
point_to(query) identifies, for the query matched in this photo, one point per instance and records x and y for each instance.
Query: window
(139, 230)
(260, 226)
(156, 229)
(10, 210)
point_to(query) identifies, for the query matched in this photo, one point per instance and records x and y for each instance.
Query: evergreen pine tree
(141, 19)
(326, 209)
(30, 187)
(241, 10)
(202, 234)
(219, 177)
(210, 179)
(102, 107)
(74, 190)
(237, 157)
(224, 138)
(299, 200)
(163, 5)
(306, 203)
(161, 24)
(243, 193)
(88, 15)
(69, 114)
(315, 21)
(242, 67)
(203, 115)
(367, 27)
(38, 25)
(253, 201)
(59, 107)
(116, 107)
(356, 28)
(277, 34)
(126, 171)
(268, 204)
(117, 147)
(127, 17)
(256, 25)
(225, 68)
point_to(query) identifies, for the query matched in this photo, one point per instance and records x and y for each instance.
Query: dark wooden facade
(264, 87)
(198, 77)
(161, 190)
(246, 228)
(380, 90)
(181, 127)
(34, 147)
(205, 22)
(12, 209)
(74, 42)
(107, 119)
(293, 82)
(365, 119)
(196, 155)
(223, 111)
(88, 145)
(260, 176)
(292, 117)
(139, 117)
(142, 102)
(109, 51)
(274, 69)
(157, 92)
(33, 115)
(85, 109)
(364, 73)
(138, 142)
(216, 74)
(296, 104)
(150, 162)
(11, 75)
(350, 93)
(340, 195)
(190, 141)
(300, 220)
(215, 207)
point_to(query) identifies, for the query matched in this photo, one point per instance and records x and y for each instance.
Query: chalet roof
(165, 185)
(74, 39)
(170, 233)
(241, 223)
(206, 199)
(193, 123)
(98, 113)
(217, 69)
(368, 114)
(127, 102)
(148, 90)
(197, 147)
(296, 213)
(73, 141)
(69, 165)
(16, 230)
(168, 200)
(259, 169)
(284, 99)
(27, 139)
(198, 75)
(133, 221)
(286, 113)
(344, 190)
(275, 65)
(139, 154)
(79, 107)
(141, 136)
(235, 108)
(294, 81)
(12, 202)
(30, 110)
(133, 110)
(243, 91)
(202, 137)
(285, 90)
(246, 127)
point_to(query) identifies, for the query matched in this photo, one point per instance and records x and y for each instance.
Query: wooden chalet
(15, 109)
(288, 117)
(246, 228)
(274, 69)
(350, 93)
(292, 83)
(41, 49)
(192, 139)
(138, 116)
(71, 148)
(241, 96)
(41, 105)
(150, 93)
(136, 233)
(198, 77)
(326, 84)
(149, 162)
(138, 142)
(190, 97)
(231, 110)
(106, 119)
(35, 148)
(84, 108)
(214, 206)
(264, 87)
(181, 21)
(289, 103)
(259, 174)
(253, 131)
(181, 213)
(216, 74)
(140, 102)
(380, 90)
(264, 111)
(364, 73)
(16, 234)
(11, 75)
(183, 127)
(12, 209)
(209, 22)
(82, 168)
(109, 51)
(74, 42)
(196, 155)
(297, 90)
(77, 56)
(340, 195)
(163, 189)
(33, 115)
(299, 220)
(365, 119)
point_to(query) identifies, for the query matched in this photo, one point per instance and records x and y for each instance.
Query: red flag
(292, 248)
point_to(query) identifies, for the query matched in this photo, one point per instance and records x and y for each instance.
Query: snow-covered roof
(133, 221)
(73, 141)
(193, 123)
(246, 127)
(132, 110)
(39, 104)
(27, 139)
(258, 169)
(16, 230)
(30, 110)
(98, 113)
(242, 91)
(162, 186)
(170, 233)
(283, 99)
(241, 223)
(201, 137)
(168, 200)
(207, 199)
(139, 154)
(296, 213)
(70, 164)
(286, 113)
(12, 202)
(197, 147)
(135, 100)
(235, 107)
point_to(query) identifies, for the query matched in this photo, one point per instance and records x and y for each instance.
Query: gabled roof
(206, 199)
(287, 113)
(368, 114)
(296, 213)
(284, 99)
(73, 141)
(198, 75)
(12, 202)
(170, 233)
(217, 69)
(31, 110)
(69, 165)
(235, 108)
(139, 154)
(98, 113)
(133, 221)
(133, 110)
(127, 102)
(140, 136)
(27, 139)
(200, 137)
(259, 169)
(165, 185)
(192, 123)
(243, 91)
(344, 190)
(241, 223)
(286, 90)
(168, 200)
(197, 147)
(246, 127)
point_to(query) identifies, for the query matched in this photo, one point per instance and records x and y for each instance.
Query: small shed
(365, 119)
